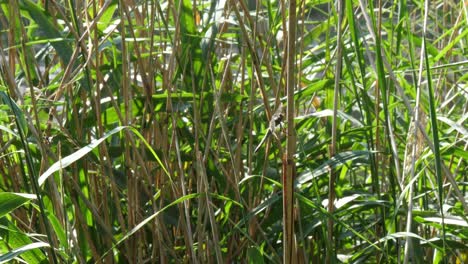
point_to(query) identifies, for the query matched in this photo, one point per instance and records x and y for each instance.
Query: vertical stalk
(332, 151)
(289, 169)
(435, 132)
(130, 246)
(24, 139)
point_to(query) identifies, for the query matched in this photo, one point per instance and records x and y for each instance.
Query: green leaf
(105, 20)
(48, 29)
(254, 256)
(452, 220)
(21, 250)
(337, 160)
(12, 237)
(6, 129)
(10, 201)
(70, 159)
(191, 60)
(150, 218)
(17, 112)
(449, 46)
(454, 125)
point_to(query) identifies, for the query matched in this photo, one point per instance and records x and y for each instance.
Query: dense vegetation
(128, 131)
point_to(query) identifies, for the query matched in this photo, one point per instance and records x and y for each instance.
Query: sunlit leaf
(10, 201)
(18, 251)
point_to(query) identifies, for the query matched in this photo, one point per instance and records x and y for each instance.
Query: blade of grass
(435, 131)
(10, 201)
(10, 256)
(49, 29)
(435, 138)
(151, 217)
(19, 121)
(331, 253)
(72, 158)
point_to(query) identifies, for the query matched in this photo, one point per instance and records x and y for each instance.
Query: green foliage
(134, 124)
(14, 242)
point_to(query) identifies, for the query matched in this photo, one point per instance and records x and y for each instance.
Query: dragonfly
(275, 122)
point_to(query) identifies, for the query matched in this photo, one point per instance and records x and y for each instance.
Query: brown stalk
(255, 60)
(184, 209)
(289, 169)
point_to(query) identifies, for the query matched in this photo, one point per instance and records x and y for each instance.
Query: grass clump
(128, 131)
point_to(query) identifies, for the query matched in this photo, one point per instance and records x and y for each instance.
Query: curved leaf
(18, 251)
(10, 201)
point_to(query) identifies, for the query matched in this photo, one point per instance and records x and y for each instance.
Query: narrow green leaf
(48, 29)
(105, 20)
(12, 237)
(449, 46)
(454, 125)
(72, 158)
(17, 112)
(435, 138)
(191, 59)
(151, 217)
(328, 112)
(337, 160)
(325, 213)
(453, 220)
(58, 229)
(10, 201)
(16, 252)
(6, 129)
